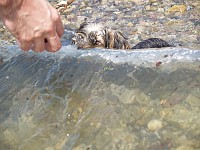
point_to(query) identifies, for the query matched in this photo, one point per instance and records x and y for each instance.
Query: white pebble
(154, 125)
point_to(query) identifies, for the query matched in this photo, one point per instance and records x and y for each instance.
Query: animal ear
(120, 41)
(82, 25)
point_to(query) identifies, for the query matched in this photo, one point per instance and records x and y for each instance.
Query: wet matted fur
(151, 43)
(92, 35)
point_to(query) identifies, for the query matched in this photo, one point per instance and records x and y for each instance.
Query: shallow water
(100, 99)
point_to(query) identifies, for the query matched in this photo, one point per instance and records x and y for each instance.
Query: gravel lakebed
(176, 21)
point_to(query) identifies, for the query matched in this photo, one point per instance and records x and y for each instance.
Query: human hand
(35, 24)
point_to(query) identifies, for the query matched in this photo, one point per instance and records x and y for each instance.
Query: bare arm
(35, 24)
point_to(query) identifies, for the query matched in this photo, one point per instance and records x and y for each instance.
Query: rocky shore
(176, 21)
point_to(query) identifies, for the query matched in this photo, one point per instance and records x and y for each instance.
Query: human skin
(35, 24)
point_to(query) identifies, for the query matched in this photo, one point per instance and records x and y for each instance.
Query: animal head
(92, 35)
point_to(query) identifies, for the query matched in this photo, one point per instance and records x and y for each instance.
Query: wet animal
(92, 35)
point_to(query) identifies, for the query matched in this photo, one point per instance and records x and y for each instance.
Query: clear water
(100, 99)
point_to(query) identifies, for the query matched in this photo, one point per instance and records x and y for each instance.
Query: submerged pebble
(177, 8)
(154, 125)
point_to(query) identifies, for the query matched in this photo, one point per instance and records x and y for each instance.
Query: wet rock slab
(100, 99)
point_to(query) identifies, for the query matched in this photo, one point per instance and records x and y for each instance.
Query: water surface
(100, 99)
